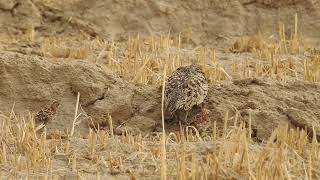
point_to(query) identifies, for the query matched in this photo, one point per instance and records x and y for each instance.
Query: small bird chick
(185, 92)
(47, 113)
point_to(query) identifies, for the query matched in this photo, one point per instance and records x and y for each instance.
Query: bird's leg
(176, 117)
(186, 118)
(169, 119)
(181, 129)
(202, 106)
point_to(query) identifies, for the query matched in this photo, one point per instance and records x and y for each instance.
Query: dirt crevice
(304, 120)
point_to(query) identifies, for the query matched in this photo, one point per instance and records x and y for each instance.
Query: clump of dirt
(32, 82)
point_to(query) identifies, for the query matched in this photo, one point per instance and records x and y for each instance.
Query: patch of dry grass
(275, 56)
(257, 42)
(57, 48)
(312, 69)
(142, 59)
(224, 154)
(263, 45)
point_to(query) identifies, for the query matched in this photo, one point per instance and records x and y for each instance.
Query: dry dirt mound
(31, 82)
(270, 103)
(205, 22)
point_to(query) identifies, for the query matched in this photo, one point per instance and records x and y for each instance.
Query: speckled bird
(47, 113)
(185, 92)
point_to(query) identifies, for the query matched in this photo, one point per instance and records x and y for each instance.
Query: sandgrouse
(185, 92)
(47, 113)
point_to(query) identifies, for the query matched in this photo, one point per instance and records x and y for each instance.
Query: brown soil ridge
(31, 82)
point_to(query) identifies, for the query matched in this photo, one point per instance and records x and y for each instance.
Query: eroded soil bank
(29, 83)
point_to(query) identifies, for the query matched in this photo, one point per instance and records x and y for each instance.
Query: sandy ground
(30, 79)
(206, 22)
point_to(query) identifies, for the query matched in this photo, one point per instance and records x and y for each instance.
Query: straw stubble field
(263, 107)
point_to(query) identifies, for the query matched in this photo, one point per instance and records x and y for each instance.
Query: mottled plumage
(47, 113)
(185, 92)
